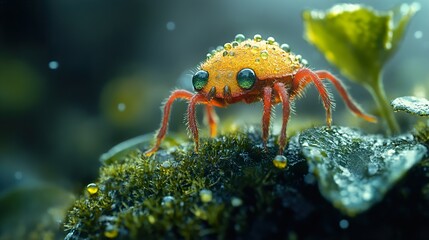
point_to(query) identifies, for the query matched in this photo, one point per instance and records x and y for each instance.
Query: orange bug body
(253, 70)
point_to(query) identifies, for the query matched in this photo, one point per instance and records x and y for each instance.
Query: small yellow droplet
(151, 219)
(255, 49)
(206, 195)
(111, 232)
(227, 46)
(270, 40)
(257, 37)
(280, 162)
(264, 54)
(92, 188)
(257, 60)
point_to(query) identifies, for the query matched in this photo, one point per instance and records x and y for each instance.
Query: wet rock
(411, 104)
(354, 170)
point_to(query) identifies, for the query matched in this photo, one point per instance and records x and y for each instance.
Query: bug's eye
(246, 78)
(200, 79)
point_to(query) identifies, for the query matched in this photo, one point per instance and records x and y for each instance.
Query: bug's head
(239, 67)
(232, 82)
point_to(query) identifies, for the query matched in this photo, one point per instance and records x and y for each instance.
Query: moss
(248, 197)
(134, 191)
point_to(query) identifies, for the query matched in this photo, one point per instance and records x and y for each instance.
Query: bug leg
(177, 94)
(302, 78)
(345, 95)
(284, 98)
(192, 122)
(266, 116)
(212, 120)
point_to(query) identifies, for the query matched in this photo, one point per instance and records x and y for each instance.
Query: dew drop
(239, 37)
(171, 26)
(255, 49)
(53, 65)
(167, 201)
(264, 54)
(227, 46)
(280, 161)
(208, 55)
(92, 188)
(285, 47)
(151, 219)
(304, 62)
(225, 53)
(231, 53)
(257, 37)
(298, 58)
(206, 195)
(234, 44)
(344, 224)
(166, 164)
(236, 202)
(271, 40)
(121, 107)
(247, 45)
(418, 34)
(257, 60)
(111, 232)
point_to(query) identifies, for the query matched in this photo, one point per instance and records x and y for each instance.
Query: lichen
(410, 104)
(355, 170)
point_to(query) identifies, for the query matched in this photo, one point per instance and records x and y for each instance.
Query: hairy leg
(284, 98)
(192, 122)
(212, 120)
(305, 76)
(345, 95)
(177, 94)
(266, 116)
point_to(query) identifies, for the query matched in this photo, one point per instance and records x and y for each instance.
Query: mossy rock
(231, 189)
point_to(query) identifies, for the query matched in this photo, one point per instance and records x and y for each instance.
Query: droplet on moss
(206, 195)
(92, 188)
(151, 219)
(111, 231)
(236, 202)
(167, 201)
(280, 161)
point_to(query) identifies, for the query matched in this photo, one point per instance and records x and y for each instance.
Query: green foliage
(359, 40)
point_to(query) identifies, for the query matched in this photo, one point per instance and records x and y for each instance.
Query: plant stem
(377, 91)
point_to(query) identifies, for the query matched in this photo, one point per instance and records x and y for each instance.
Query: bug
(253, 70)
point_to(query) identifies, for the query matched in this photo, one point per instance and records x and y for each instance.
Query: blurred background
(78, 77)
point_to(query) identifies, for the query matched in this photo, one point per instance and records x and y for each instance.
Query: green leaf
(357, 39)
